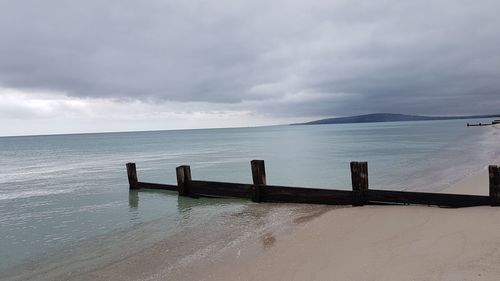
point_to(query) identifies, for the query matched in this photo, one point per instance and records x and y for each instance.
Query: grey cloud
(334, 57)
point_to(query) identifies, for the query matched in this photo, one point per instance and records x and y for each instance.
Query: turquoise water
(58, 193)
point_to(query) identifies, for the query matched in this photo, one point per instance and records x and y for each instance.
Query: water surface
(60, 192)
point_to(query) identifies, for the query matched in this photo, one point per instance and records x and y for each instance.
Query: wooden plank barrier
(425, 198)
(222, 189)
(360, 194)
(287, 194)
(150, 185)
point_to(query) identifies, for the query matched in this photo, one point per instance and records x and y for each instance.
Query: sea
(65, 204)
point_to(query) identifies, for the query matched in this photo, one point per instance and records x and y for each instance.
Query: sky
(123, 65)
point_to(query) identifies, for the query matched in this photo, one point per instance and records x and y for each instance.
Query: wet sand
(187, 255)
(385, 243)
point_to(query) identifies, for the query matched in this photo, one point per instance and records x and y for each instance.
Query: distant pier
(479, 124)
(494, 122)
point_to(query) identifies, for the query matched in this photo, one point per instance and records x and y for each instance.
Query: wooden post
(259, 179)
(494, 173)
(359, 178)
(183, 179)
(132, 176)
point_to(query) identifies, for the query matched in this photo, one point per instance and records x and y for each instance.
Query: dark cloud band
(285, 58)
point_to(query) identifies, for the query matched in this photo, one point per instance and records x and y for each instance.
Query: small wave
(33, 193)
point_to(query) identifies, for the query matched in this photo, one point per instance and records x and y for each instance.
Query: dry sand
(384, 243)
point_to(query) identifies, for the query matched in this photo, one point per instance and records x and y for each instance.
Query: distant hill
(389, 117)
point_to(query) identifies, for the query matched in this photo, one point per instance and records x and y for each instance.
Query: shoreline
(313, 242)
(312, 252)
(386, 243)
(318, 242)
(248, 232)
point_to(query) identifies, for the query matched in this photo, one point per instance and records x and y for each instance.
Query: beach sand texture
(386, 243)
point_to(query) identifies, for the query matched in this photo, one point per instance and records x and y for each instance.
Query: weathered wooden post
(359, 178)
(183, 179)
(132, 176)
(259, 179)
(494, 172)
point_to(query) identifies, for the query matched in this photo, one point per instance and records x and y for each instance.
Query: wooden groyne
(360, 194)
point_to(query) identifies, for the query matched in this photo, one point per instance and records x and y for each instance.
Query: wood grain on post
(183, 179)
(132, 176)
(359, 178)
(259, 179)
(494, 174)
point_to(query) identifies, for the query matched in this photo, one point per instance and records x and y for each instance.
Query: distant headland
(389, 117)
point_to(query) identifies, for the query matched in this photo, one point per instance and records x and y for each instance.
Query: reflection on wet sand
(308, 215)
(268, 240)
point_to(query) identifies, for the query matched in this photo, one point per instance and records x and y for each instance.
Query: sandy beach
(385, 243)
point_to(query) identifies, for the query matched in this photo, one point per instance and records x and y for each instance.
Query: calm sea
(66, 192)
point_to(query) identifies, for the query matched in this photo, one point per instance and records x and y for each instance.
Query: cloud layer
(278, 58)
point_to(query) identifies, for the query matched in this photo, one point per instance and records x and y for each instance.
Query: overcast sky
(115, 65)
